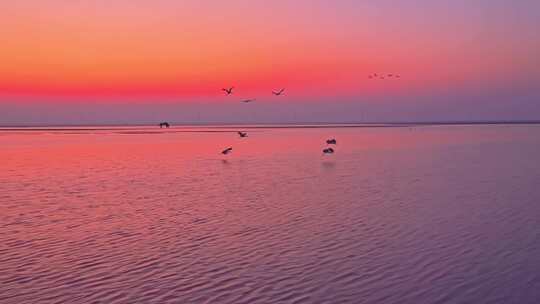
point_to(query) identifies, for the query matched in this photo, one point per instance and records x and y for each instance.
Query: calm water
(398, 215)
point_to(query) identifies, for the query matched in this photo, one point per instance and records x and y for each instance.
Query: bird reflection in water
(328, 165)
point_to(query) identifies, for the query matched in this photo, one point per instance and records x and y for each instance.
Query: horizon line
(38, 126)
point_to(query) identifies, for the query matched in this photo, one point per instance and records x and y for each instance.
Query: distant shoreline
(175, 126)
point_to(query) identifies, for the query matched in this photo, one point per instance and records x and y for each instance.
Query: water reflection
(102, 217)
(328, 164)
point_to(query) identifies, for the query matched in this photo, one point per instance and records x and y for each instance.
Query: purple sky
(102, 62)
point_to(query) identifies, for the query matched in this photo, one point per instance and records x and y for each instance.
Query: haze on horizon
(100, 62)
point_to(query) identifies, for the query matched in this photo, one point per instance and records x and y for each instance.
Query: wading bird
(328, 151)
(242, 134)
(164, 124)
(226, 151)
(331, 141)
(247, 100)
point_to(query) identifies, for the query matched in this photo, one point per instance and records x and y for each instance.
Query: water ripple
(446, 215)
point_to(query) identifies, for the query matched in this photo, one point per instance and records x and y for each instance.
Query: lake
(398, 214)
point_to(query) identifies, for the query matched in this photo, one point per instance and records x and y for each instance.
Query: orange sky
(185, 50)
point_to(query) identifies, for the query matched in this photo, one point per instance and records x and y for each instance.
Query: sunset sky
(135, 61)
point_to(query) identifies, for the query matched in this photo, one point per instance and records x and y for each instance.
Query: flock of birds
(383, 76)
(229, 91)
(328, 150)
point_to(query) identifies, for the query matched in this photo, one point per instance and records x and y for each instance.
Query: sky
(138, 61)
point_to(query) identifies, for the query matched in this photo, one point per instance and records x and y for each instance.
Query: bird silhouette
(331, 141)
(242, 134)
(279, 92)
(247, 100)
(328, 151)
(226, 151)
(228, 91)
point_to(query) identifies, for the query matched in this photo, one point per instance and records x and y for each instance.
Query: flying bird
(242, 134)
(328, 151)
(226, 151)
(279, 92)
(331, 141)
(248, 100)
(228, 91)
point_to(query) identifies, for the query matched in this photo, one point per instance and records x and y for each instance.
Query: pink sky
(126, 56)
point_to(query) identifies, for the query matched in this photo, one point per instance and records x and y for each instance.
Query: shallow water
(433, 214)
